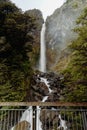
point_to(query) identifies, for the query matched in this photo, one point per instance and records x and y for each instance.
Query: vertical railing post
(34, 118)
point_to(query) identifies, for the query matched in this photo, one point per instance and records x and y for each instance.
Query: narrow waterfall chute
(42, 66)
(47, 84)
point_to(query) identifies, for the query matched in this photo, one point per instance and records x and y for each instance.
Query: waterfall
(42, 66)
(28, 114)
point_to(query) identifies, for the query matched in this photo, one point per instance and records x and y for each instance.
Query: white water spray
(27, 116)
(47, 84)
(62, 123)
(42, 66)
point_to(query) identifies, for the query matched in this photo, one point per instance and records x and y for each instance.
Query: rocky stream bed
(46, 87)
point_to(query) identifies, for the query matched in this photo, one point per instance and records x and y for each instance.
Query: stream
(27, 115)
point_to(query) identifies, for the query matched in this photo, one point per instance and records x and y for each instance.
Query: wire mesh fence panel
(44, 118)
(66, 119)
(9, 118)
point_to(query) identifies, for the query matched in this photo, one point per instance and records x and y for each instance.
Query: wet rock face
(39, 88)
(59, 27)
(35, 33)
(49, 119)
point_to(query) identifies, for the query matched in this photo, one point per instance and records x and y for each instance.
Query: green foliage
(8, 8)
(76, 72)
(15, 44)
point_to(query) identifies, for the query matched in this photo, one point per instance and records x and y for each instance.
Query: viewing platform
(43, 116)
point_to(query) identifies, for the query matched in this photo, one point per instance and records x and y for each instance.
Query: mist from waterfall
(42, 65)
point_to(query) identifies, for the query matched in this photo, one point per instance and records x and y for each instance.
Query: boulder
(24, 125)
(43, 89)
(39, 89)
(49, 119)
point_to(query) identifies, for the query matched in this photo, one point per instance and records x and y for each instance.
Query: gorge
(20, 57)
(61, 73)
(28, 115)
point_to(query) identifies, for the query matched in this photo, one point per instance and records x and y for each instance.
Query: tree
(15, 65)
(76, 72)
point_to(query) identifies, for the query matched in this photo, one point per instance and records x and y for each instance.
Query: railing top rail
(74, 104)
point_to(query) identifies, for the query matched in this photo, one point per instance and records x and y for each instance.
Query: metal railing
(44, 116)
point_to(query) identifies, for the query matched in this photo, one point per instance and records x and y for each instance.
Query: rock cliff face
(35, 32)
(37, 15)
(59, 28)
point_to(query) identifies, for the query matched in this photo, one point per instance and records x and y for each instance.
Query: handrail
(74, 104)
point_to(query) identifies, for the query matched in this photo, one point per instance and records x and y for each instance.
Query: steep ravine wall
(59, 31)
(35, 33)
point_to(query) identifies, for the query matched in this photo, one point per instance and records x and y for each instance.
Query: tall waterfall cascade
(42, 64)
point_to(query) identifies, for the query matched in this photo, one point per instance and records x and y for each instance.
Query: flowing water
(42, 66)
(47, 84)
(62, 123)
(27, 115)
